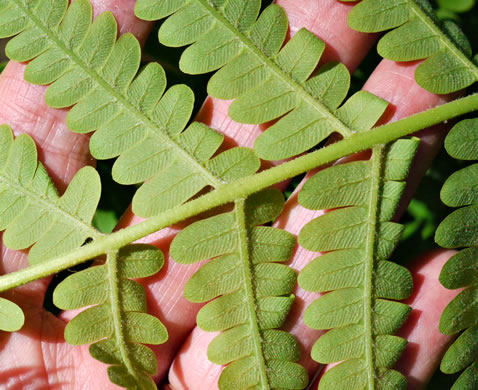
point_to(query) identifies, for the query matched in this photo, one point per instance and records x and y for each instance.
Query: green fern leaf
(456, 231)
(251, 292)
(117, 324)
(31, 212)
(361, 308)
(418, 34)
(132, 114)
(266, 80)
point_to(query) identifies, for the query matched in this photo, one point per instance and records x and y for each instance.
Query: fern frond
(267, 80)
(418, 34)
(31, 212)
(133, 115)
(359, 238)
(117, 324)
(251, 292)
(458, 230)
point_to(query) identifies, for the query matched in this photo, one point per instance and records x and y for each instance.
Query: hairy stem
(115, 304)
(370, 248)
(244, 187)
(240, 211)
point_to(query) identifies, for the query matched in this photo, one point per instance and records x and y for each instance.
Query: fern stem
(244, 187)
(370, 249)
(250, 290)
(116, 310)
(338, 125)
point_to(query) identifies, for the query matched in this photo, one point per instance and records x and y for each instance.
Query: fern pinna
(358, 238)
(254, 292)
(418, 34)
(267, 79)
(458, 230)
(33, 215)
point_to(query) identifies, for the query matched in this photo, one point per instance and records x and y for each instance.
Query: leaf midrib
(116, 311)
(449, 45)
(240, 213)
(337, 124)
(369, 271)
(142, 118)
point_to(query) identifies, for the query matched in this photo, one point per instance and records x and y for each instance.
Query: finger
(382, 82)
(167, 287)
(426, 345)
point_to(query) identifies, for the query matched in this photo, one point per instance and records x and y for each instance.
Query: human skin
(37, 357)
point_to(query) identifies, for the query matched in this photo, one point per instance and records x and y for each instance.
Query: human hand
(37, 356)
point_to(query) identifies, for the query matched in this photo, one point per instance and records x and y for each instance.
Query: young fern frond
(459, 230)
(251, 292)
(268, 80)
(118, 324)
(132, 115)
(418, 34)
(359, 238)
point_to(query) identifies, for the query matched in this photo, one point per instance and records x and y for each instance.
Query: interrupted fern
(359, 239)
(251, 292)
(458, 230)
(418, 34)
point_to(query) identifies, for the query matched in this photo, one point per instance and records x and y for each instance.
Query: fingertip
(191, 369)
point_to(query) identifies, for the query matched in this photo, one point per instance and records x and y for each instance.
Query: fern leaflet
(458, 230)
(418, 34)
(118, 322)
(132, 115)
(252, 291)
(33, 214)
(11, 316)
(359, 239)
(267, 82)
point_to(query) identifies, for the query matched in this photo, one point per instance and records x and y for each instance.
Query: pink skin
(37, 357)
